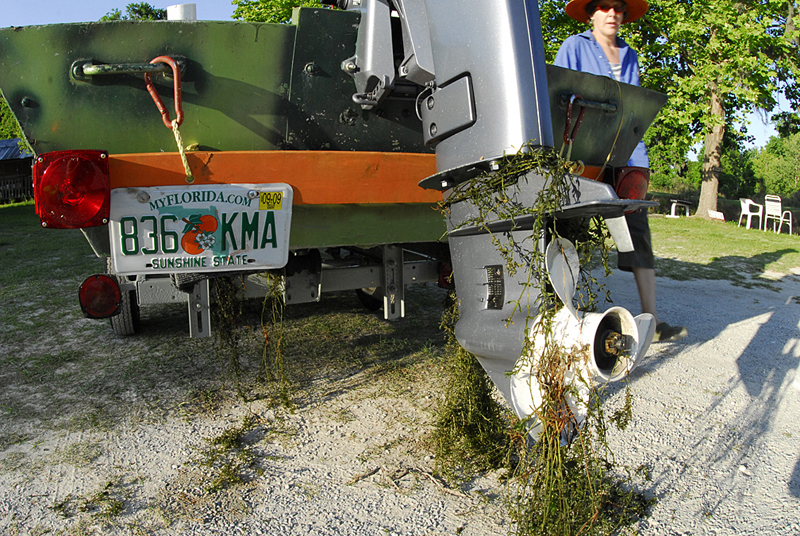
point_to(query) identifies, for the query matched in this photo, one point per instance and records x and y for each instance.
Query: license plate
(217, 228)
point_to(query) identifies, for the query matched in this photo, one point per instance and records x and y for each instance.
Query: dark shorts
(642, 254)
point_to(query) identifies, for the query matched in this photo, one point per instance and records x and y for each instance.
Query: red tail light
(72, 189)
(100, 296)
(632, 182)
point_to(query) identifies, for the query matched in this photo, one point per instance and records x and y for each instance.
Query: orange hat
(577, 10)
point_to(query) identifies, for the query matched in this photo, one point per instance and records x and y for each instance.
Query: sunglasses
(619, 8)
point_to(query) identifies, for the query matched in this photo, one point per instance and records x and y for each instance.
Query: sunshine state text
(198, 262)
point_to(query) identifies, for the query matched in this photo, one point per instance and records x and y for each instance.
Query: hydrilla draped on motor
(602, 52)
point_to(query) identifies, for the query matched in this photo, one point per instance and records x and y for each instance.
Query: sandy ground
(348, 463)
(717, 415)
(716, 422)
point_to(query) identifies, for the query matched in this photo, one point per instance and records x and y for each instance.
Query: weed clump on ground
(227, 321)
(229, 457)
(564, 480)
(105, 503)
(273, 368)
(226, 316)
(470, 433)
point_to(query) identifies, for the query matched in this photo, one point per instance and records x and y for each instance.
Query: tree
(277, 11)
(737, 176)
(140, 11)
(716, 61)
(786, 123)
(778, 165)
(556, 26)
(9, 128)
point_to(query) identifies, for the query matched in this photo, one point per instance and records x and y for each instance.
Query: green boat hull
(245, 86)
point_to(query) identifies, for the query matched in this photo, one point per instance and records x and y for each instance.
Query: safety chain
(574, 167)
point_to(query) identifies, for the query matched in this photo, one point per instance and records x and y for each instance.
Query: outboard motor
(488, 94)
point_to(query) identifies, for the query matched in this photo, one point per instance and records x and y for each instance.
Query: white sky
(32, 12)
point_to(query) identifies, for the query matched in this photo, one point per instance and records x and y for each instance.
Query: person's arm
(568, 56)
(639, 157)
(630, 64)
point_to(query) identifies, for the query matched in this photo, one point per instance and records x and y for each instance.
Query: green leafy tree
(786, 123)
(694, 175)
(277, 11)
(716, 61)
(9, 128)
(139, 11)
(737, 175)
(778, 166)
(556, 26)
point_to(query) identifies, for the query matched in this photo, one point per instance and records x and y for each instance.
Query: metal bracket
(394, 288)
(200, 310)
(575, 101)
(84, 70)
(304, 287)
(373, 65)
(449, 109)
(417, 65)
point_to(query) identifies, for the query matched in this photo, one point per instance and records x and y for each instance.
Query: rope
(576, 167)
(182, 151)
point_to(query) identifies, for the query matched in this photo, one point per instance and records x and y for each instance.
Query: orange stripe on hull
(317, 177)
(593, 172)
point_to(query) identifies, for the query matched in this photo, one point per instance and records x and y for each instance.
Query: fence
(15, 180)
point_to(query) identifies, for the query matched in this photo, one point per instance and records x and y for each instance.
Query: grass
(47, 345)
(63, 371)
(692, 248)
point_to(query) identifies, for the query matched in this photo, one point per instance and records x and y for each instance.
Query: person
(600, 51)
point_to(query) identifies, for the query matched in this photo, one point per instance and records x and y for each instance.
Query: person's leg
(646, 284)
(642, 263)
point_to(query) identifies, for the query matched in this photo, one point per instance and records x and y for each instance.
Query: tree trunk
(790, 27)
(712, 164)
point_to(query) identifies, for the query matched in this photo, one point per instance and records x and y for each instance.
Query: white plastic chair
(750, 209)
(775, 212)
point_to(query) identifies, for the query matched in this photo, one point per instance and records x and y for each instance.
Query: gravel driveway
(717, 415)
(716, 422)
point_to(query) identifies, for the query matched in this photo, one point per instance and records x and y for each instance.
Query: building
(15, 172)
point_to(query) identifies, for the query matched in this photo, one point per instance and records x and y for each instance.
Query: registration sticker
(188, 228)
(270, 201)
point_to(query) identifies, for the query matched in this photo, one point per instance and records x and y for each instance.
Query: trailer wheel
(371, 298)
(127, 321)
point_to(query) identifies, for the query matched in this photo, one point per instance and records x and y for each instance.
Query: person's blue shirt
(583, 53)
